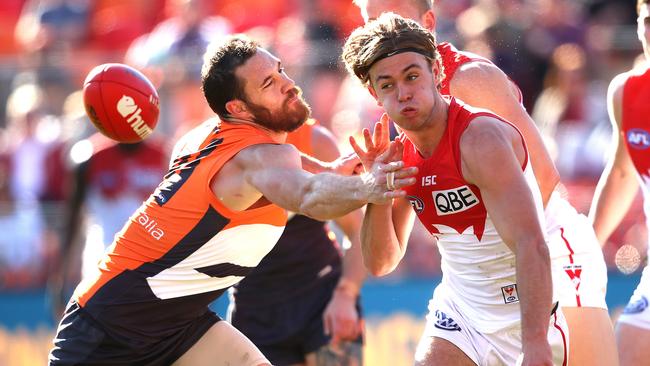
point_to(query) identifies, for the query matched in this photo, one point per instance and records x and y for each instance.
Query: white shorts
(636, 312)
(578, 266)
(500, 348)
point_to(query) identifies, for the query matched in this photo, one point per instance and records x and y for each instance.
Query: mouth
(408, 111)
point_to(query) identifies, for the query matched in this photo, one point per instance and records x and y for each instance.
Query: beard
(287, 118)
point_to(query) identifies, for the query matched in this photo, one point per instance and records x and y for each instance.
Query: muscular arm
(618, 184)
(275, 172)
(489, 146)
(484, 85)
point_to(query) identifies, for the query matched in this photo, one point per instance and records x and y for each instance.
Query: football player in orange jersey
(218, 211)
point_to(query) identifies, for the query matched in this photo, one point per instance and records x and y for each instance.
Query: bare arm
(618, 184)
(484, 85)
(384, 235)
(275, 172)
(488, 146)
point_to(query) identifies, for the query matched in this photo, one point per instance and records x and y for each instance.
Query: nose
(288, 85)
(404, 93)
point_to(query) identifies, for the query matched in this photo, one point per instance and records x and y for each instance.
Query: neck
(427, 139)
(277, 136)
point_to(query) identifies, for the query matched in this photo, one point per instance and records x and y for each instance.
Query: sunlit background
(562, 54)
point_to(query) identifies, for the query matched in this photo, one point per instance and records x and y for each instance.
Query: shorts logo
(574, 271)
(444, 322)
(510, 294)
(636, 306)
(417, 203)
(454, 200)
(638, 138)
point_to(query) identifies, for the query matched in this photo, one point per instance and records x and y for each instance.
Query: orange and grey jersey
(306, 256)
(182, 248)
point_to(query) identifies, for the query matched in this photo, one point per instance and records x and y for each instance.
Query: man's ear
(428, 20)
(236, 107)
(372, 92)
(436, 70)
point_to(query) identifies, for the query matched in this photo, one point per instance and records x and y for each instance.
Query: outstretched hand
(375, 145)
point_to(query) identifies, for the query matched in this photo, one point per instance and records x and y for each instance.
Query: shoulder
(485, 134)
(324, 144)
(267, 155)
(471, 70)
(617, 84)
(477, 79)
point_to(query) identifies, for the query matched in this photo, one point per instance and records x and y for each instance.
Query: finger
(355, 146)
(386, 155)
(368, 139)
(385, 120)
(406, 172)
(378, 134)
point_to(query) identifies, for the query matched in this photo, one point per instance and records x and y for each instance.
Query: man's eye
(412, 77)
(386, 86)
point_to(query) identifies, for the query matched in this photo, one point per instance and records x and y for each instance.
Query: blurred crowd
(562, 54)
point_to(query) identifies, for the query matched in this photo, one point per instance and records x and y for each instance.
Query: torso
(182, 248)
(306, 254)
(477, 265)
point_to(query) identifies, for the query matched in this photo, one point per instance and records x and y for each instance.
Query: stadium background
(562, 53)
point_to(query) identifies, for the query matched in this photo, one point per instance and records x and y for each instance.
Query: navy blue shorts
(80, 340)
(285, 332)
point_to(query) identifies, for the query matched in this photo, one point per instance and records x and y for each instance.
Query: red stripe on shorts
(564, 361)
(571, 253)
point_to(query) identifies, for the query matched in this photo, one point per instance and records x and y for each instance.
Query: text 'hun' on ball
(121, 102)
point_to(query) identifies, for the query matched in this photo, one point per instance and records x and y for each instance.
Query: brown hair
(219, 83)
(383, 37)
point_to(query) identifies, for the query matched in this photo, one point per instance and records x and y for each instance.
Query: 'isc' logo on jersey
(454, 200)
(638, 138)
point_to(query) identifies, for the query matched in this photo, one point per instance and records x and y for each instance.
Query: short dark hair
(219, 83)
(639, 4)
(387, 35)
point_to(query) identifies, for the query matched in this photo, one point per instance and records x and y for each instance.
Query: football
(121, 102)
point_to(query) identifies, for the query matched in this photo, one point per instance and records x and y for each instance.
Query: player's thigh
(633, 345)
(222, 344)
(341, 354)
(590, 329)
(435, 351)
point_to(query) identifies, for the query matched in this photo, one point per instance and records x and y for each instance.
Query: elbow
(378, 269)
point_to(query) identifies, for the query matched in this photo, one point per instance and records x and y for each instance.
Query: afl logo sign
(417, 203)
(638, 139)
(454, 200)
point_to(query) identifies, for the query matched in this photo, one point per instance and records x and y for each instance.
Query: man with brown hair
(494, 304)
(218, 211)
(578, 267)
(629, 168)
